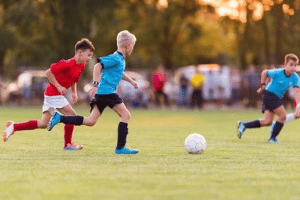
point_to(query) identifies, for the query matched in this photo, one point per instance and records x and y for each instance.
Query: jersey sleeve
(296, 82)
(59, 67)
(107, 61)
(273, 72)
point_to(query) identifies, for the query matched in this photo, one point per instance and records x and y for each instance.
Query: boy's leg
(68, 128)
(76, 119)
(123, 112)
(12, 127)
(280, 111)
(289, 117)
(267, 120)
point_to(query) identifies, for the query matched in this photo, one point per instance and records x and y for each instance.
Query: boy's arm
(125, 77)
(96, 78)
(74, 93)
(264, 76)
(53, 80)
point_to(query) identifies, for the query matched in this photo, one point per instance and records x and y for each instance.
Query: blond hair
(291, 56)
(125, 37)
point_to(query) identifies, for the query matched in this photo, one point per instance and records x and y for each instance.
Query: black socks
(252, 124)
(76, 120)
(276, 130)
(122, 134)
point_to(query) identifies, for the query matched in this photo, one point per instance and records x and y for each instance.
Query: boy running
(103, 91)
(282, 79)
(62, 76)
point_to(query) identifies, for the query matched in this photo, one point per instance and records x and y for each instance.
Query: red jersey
(158, 80)
(66, 72)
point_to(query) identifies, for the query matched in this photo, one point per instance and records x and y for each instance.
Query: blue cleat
(273, 140)
(125, 150)
(55, 119)
(241, 129)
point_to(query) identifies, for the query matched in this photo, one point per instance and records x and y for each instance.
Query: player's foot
(273, 140)
(241, 129)
(55, 119)
(125, 150)
(9, 131)
(272, 127)
(73, 146)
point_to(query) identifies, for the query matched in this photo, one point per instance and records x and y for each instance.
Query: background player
(282, 79)
(62, 76)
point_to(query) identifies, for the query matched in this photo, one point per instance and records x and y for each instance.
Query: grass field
(34, 166)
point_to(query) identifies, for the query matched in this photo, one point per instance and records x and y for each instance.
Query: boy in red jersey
(62, 76)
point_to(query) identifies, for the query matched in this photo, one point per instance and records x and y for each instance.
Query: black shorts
(103, 100)
(270, 101)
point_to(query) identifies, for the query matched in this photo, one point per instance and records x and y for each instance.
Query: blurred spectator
(211, 82)
(197, 82)
(252, 81)
(235, 86)
(15, 93)
(159, 79)
(183, 91)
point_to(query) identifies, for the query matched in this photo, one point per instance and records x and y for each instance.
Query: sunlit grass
(34, 166)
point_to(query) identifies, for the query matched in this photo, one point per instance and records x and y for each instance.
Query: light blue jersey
(112, 72)
(281, 82)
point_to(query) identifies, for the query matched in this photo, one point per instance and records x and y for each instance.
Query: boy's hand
(93, 91)
(74, 98)
(135, 84)
(262, 89)
(62, 90)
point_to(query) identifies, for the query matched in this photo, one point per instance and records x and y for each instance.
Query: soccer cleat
(125, 150)
(272, 126)
(273, 140)
(241, 129)
(55, 119)
(73, 146)
(9, 131)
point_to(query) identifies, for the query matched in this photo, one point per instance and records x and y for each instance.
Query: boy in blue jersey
(282, 79)
(112, 67)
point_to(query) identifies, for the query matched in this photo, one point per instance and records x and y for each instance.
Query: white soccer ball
(195, 143)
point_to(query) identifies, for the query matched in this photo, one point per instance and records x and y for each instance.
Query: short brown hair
(84, 44)
(291, 56)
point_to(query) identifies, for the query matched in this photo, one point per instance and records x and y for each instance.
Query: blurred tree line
(175, 33)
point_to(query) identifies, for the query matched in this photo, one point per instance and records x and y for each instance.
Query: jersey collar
(286, 74)
(121, 54)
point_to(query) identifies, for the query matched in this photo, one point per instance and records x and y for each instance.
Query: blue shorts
(270, 101)
(103, 100)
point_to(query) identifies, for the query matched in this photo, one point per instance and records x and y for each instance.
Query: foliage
(178, 33)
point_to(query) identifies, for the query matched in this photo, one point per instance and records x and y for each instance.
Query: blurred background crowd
(209, 86)
(189, 53)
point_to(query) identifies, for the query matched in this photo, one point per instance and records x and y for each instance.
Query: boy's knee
(126, 116)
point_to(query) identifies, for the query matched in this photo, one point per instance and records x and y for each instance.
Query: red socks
(68, 133)
(33, 124)
(30, 125)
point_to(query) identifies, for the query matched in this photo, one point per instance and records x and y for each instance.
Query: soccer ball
(195, 143)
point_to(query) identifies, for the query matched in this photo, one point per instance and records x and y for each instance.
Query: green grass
(34, 166)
